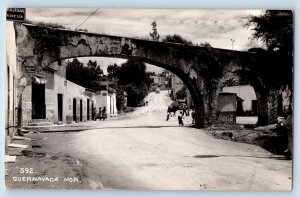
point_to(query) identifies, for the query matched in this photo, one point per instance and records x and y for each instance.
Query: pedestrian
(94, 114)
(180, 117)
(287, 127)
(184, 108)
(100, 113)
(103, 113)
(193, 116)
(168, 116)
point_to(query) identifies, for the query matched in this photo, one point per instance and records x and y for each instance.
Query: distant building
(247, 94)
(160, 80)
(106, 98)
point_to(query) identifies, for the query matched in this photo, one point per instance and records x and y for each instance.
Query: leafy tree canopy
(274, 28)
(86, 76)
(176, 39)
(132, 71)
(133, 78)
(154, 35)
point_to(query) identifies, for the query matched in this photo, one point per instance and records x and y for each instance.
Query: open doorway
(88, 109)
(38, 101)
(60, 106)
(80, 109)
(74, 110)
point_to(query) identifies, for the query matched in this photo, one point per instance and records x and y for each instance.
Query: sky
(217, 27)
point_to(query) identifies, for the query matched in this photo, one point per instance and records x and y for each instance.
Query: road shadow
(79, 129)
(277, 157)
(133, 127)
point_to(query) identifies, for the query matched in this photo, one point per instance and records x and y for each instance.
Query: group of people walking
(101, 115)
(183, 112)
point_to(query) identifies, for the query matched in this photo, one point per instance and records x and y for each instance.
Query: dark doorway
(60, 106)
(93, 113)
(88, 109)
(74, 110)
(38, 101)
(239, 108)
(80, 110)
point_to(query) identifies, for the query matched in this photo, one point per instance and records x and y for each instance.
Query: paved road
(143, 151)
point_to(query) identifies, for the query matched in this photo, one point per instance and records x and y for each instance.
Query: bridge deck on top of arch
(50, 45)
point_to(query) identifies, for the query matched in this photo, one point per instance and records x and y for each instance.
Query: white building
(10, 101)
(247, 93)
(106, 98)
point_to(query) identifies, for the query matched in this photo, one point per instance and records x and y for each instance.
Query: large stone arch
(39, 46)
(190, 83)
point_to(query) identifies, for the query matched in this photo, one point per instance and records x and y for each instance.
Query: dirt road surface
(141, 150)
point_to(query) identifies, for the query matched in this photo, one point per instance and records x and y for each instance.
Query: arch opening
(255, 103)
(189, 82)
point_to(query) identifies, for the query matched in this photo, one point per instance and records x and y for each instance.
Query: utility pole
(232, 41)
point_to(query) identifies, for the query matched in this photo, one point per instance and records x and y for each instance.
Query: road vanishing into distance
(141, 150)
(144, 151)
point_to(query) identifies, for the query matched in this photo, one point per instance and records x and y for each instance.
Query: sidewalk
(73, 127)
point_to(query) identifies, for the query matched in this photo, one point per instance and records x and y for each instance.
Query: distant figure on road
(193, 116)
(184, 108)
(94, 114)
(146, 102)
(100, 112)
(287, 125)
(104, 115)
(180, 121)
(168, 116)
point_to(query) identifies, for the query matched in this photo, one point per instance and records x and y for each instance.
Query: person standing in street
(168, 116)
(100, 113)
(104, 116)
(180, 117)
(287, 125)
(94, 114)
(184, 108)
(193, 116)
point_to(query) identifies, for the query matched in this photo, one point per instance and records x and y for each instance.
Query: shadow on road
(132, 127)
(278, 157)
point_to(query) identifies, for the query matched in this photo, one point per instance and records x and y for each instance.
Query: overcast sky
(216, 27)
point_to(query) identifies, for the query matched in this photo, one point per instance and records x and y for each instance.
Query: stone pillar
(272, 101)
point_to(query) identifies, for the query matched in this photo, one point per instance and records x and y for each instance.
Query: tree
(154, 35)
(87, 76)
(132, 78)
(113, 71)
(205, 44)
(94, 70)
(176, 39)
(275, 29)
(132, 71)
(135, 93)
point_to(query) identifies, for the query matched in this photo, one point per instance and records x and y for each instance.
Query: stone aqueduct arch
(41, 46)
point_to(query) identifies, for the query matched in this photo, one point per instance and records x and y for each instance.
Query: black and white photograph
(149, 99)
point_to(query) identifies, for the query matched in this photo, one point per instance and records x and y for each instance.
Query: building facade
(47, 96)
(107, 98)
(247, 94)
(10, 80)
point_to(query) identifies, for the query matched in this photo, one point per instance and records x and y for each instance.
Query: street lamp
(232, 41)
